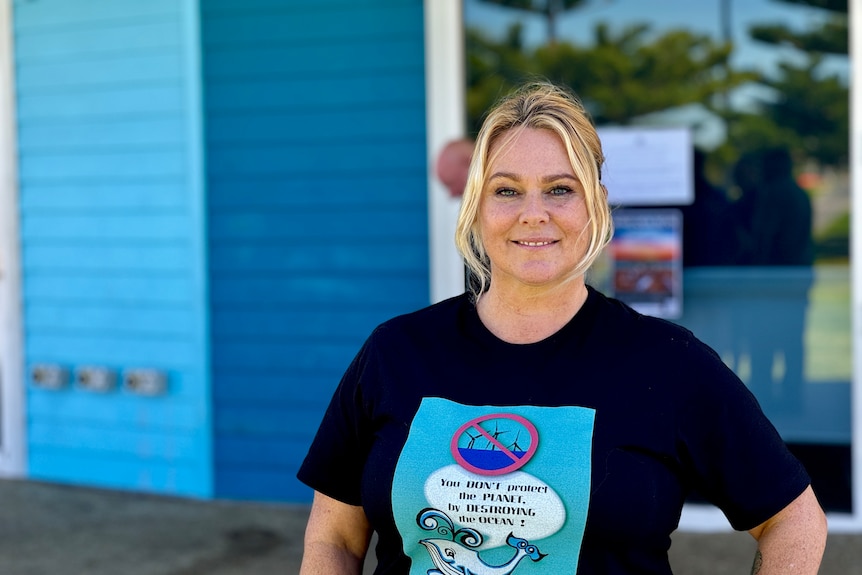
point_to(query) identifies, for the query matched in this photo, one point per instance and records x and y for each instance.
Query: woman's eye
(561, 191)
(506, 192)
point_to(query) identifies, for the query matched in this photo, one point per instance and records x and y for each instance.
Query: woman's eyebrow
(555, 177)
(545, 179)
(505, 175)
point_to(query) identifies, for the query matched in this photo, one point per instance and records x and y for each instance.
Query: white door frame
(855, 17)
(12, 457)
(445, 113)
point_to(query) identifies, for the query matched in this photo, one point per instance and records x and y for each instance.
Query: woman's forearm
(326, 559)
(793, 541)
(336, 538)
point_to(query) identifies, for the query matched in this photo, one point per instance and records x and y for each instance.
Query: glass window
(762, 87)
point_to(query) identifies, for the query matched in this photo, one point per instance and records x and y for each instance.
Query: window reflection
(763, 86)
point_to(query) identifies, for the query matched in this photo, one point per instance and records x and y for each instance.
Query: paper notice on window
(648, 166)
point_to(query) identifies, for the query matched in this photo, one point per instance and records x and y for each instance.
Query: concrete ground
(48, 529)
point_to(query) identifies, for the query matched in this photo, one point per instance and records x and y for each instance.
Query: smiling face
(532, 217)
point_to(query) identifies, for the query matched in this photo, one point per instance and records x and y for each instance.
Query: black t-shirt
(473, 455)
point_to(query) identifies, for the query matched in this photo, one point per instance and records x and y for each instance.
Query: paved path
(48, 529)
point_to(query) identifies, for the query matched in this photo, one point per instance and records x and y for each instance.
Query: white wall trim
(855, 18)
(701, 518)
(196, 185)
(445, 117)
(12, 453)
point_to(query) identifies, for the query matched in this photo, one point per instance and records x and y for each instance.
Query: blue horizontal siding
(158, 226)
(136, 350)
(306, 126)
(140, 194)
(100, 257)
(278, 453)
(404, 154)
(315, 23)
(316, 165)
(264, 467)
(111, 103)
(111, 235)
(344, 191)
(270, 423)
(299, 355)
(157, 32)
(98, 133)
(350, 58)
(120, 410)
(59, 166)
(143, 289)
(396, 88)
(292, 388)
(102, 72)
(351, 225)
(99, 317)
(147, 475)
(357, 257)
(114, 442)
(215, 7)
(396, 291)
(52, 16)
(263, 483)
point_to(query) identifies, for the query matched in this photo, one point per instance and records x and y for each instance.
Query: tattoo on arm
(758, 563)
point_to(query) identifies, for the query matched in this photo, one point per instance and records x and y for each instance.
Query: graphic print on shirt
(489, 490)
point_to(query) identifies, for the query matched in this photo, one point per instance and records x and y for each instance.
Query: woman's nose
(534, 209)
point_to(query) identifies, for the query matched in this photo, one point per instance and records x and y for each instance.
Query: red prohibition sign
(493, 456)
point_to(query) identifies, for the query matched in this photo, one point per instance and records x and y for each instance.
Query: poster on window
(646, 260)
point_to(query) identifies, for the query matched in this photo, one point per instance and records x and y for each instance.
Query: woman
(534, 421)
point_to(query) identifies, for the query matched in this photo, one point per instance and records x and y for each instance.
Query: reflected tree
(831, 37)
(620, 76)
(623, 74)
(808, 109)
(550, 10)
(626, 75)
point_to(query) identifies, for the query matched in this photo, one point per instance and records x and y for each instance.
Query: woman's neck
(520, 318)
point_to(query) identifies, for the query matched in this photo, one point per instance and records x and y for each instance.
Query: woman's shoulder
(628, 326)
(619, 315)
(660, 346)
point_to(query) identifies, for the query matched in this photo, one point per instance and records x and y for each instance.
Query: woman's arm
(793, 540)
(336, 538)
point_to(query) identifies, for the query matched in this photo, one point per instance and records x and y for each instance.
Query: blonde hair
(538, 105)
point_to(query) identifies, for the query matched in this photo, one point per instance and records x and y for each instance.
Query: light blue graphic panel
(489, 489)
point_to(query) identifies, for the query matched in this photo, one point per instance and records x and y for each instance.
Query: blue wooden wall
(316, 178)
(112, 238)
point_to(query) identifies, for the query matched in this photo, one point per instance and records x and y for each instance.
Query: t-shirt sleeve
(738, 460)
(334, 462)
